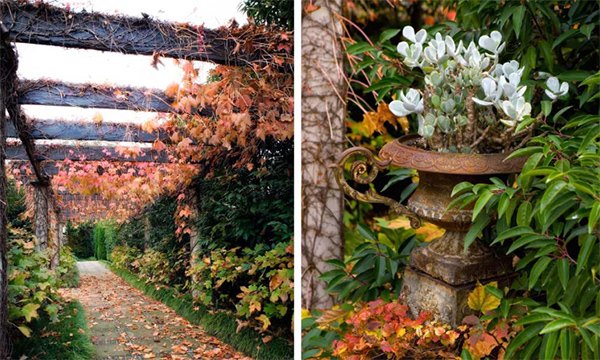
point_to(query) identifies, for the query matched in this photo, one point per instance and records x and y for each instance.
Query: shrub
(67, 271)
(374, 268)
(99, 242)
(154, 267)
(31, 285)
(258, 284)
(124, 256)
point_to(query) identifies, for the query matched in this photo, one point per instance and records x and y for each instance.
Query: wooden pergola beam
(53, 93)
(15, 151)
(49, 25)
(69, 130)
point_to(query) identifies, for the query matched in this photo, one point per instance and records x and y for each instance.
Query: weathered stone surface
(447, 303)
(446, 260)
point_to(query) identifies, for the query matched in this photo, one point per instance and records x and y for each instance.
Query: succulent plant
(470, 101)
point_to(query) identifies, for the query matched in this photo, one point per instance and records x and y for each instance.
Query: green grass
(62, 340)
(220, 325)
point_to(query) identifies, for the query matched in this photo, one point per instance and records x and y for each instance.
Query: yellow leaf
(265, 321)
(479, 300)
(427, 230)
(25, 330)
(305, 313)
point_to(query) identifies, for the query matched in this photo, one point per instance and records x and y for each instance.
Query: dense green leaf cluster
(243, 207)
(548, 217)
(374, 270)
(271, 12)
(31, 284)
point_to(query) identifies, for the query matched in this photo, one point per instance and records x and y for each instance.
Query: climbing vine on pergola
(227, 121)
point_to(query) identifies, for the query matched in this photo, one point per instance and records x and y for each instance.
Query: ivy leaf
(29, 311)
(25, 330)
(480, 300)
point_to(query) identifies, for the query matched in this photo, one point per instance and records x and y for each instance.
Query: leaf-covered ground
(125, 323)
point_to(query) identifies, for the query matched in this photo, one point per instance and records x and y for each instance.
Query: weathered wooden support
(9, 80)
(87, 153)
(53, 237)
(4, 97)
(41, 216)
(49, 25)
(147, 230)
(52, 93)
(70, 130)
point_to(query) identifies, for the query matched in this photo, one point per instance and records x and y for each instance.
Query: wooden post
(53, 236)
(41, 218)
(192, 196)
(147, 229)
(4, 59)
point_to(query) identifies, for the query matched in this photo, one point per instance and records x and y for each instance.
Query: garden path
(126, 324)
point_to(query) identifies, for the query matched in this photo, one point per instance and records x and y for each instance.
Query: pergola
(24, 139)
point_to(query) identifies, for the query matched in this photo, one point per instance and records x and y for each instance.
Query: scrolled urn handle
(364, 170)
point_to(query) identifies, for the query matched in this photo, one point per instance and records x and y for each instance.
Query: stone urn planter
(440, 274)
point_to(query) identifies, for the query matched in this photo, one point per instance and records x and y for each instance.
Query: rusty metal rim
(403, 155)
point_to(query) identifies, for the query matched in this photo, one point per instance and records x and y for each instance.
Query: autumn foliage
(249, 106)
(387, 329)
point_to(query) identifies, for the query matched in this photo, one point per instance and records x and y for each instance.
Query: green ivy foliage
(16, 206)
(271, 12)
(248, 207)
(68, 274)
(31, 285)
(548, 217)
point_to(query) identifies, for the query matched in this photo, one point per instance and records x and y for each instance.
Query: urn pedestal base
(441, 276)
(447, 303)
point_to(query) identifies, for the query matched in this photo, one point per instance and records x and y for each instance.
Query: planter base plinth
(441, 275)
(447, 303)
(445, 259)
